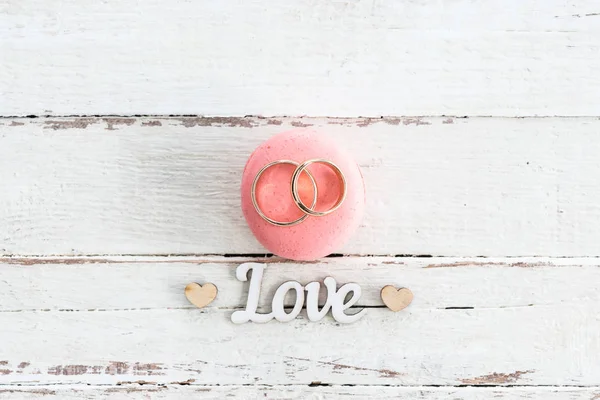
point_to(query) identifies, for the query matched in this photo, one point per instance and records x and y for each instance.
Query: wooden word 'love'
(335, 299)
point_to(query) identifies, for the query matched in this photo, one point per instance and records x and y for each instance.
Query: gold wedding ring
(295, 195)
(255, 203)
(308, 211)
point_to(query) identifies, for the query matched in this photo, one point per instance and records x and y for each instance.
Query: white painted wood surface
(38, 284)
(440, 186)
(89, 307)
(342, 58)
(292, 392)
(473, 322)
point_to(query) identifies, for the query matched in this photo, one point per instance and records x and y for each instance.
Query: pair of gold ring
(308, 211)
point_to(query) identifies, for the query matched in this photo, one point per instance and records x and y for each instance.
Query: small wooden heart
(201, 295)
(396, 299)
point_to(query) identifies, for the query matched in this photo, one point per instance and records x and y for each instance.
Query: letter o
(278, 301)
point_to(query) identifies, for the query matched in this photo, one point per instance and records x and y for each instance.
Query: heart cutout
(396, 299)
(200, 295)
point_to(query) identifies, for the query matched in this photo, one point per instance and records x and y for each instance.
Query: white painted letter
(312, 299)
(250, 314)
(338, 306)
(278, 301)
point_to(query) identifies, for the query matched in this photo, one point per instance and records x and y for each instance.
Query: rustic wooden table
(124, 129)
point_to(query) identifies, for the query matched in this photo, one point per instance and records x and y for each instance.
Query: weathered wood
(92, 283)
(537, 345)
(454, 187)
(120, 326)
(520, 321)
(288, 392)
(299, 58)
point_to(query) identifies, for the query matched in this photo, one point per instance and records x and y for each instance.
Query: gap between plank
(260, 309)
(312, 384)
(6, 257)
(249, 116)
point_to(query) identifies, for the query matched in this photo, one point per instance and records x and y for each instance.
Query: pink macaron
(315, 236)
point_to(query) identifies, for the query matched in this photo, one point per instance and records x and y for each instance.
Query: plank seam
(251, 116)
(313, 384)
(8, 257)
(260, 309)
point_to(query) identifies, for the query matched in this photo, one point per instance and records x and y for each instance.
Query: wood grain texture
(291, 392)
(346, 58)
(145, 283)
(500, 346)
(441, 186)
(524, 322)
(493, 185)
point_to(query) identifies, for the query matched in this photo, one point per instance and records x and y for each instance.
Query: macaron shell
(315, 237)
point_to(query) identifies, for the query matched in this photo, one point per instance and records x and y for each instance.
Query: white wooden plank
(126, 283)
(347, 58)
(106, 321)
(453, 187)
(135, 392)
(538, 345)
